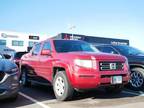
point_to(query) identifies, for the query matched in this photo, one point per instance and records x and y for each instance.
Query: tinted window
(36, 49)
(127, 50)
(107, 49)
(7, 56)
(47, 46)
(18, 55)
(73, 46)
(17, 43)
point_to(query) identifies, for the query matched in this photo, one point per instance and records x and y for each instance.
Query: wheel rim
(136, 79)
(59, 86)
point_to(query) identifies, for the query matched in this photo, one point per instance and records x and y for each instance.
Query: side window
(17, 43)
(47, 46)
(107, 49)
(36, 49)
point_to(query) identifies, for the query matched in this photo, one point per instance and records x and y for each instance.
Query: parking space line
(132, 93)
(34, 100)
(141, 93)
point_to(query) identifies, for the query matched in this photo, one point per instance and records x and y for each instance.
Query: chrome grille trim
(109, 66)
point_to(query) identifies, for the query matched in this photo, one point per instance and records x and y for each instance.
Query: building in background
(14, 41)
(92, 39)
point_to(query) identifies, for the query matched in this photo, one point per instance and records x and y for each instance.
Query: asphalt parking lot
(39, 96)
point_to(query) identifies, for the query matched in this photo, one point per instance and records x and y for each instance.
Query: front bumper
(90, 80)
(9, 86)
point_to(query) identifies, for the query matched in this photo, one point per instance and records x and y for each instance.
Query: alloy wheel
(136, 79)
(59, 86)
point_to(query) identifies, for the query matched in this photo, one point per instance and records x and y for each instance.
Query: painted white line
(132, 93)
(141, 93)
(33, 100)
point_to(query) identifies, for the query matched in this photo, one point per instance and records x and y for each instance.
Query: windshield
(127, 50)
(73, 46)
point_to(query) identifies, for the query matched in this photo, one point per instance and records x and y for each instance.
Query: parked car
(9, 79)
(136, 62)
(71, 65)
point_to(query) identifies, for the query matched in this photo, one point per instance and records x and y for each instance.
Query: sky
(122, 19)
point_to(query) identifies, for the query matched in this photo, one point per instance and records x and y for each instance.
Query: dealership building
(92, 39)
(14, 41)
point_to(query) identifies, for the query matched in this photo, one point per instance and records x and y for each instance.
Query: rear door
(34, 59)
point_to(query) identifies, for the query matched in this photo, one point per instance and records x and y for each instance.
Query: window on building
(31, 43)
(17, 43)
(3, 42)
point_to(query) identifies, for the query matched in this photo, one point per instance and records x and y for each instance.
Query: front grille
(108, 66)
(2, 74)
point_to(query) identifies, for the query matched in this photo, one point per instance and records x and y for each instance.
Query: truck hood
(136, 58)
(99, 56)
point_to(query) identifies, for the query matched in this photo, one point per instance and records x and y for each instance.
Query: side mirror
(46, 52)
(1, 56)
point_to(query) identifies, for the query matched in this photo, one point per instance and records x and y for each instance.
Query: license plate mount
(116, 80)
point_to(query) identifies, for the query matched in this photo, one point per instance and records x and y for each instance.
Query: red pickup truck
(70, 65)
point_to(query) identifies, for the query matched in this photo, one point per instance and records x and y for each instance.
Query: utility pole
(72, 27)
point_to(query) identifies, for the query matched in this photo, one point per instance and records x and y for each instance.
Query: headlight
(83, 63)
(127, 64)
(13, 71)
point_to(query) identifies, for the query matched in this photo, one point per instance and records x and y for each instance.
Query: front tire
(61, 86)
(137, 79)
(24, 78)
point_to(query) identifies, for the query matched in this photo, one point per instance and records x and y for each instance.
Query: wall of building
(19, 41)
(93, 39)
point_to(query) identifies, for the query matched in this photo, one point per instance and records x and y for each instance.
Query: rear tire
(137, 79)
(115, 89)
(61, 86)
(24, 78)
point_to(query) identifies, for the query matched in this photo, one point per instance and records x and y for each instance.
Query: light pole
(72, 27)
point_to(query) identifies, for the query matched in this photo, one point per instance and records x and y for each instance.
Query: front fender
(136, 65)
(67, 66)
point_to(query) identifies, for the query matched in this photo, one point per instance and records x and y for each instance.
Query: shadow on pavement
(37, 92)
(45, 93)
